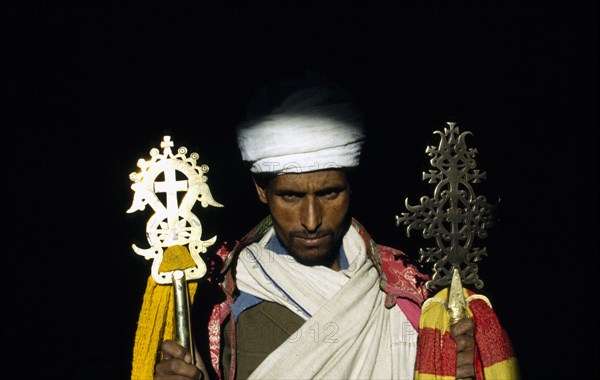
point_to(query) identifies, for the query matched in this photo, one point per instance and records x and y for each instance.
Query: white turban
(309, 131)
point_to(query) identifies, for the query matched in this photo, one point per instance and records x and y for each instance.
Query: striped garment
(436, 354)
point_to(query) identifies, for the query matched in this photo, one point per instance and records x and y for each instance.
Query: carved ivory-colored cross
(171, 186)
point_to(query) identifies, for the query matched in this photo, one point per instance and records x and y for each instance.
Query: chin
(311, 259)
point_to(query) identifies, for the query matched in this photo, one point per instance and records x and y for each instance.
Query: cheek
(341, 208)
(283, 222)
(283, 217)
(336, 215)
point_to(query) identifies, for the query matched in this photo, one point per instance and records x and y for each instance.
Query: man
(308, 293)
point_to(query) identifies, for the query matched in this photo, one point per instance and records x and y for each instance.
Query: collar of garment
(245, 301)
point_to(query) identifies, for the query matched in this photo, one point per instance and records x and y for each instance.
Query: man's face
(310, 214)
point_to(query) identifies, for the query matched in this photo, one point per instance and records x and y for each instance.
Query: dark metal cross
(455, 216)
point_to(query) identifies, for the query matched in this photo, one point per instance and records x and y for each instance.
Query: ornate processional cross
(454, 217)
(173, 231)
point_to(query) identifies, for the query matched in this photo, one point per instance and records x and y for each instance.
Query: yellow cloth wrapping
(155, 322)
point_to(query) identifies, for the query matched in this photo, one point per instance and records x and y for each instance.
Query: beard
(326, 253)
(325, 256)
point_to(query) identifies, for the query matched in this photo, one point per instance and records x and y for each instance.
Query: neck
(335, 265)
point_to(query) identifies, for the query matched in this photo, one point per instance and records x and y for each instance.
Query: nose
(311, 214)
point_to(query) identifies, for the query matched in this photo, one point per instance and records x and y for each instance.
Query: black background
(90, 87)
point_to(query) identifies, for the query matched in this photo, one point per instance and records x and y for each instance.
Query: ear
(262, 193)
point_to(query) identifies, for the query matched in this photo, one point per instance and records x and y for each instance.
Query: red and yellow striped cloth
(436, 356)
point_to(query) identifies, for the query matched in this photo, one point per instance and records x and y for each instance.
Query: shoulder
(401, 275)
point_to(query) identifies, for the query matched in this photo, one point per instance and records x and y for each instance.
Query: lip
(312, 242)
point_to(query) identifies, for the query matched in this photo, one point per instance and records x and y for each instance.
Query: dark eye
(330, 194)
(290, 197)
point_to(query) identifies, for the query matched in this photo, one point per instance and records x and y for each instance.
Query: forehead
(312, 180)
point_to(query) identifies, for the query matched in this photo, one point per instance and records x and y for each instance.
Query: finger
(200, 364)
(465, 372)
(172, 349)
(462, 326)
(176, 369)
(464, 343)
(465, 359)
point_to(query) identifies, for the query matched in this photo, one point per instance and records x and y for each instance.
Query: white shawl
(348, 333)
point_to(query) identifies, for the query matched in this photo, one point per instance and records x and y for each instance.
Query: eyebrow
(323, 191)
(333, 188)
